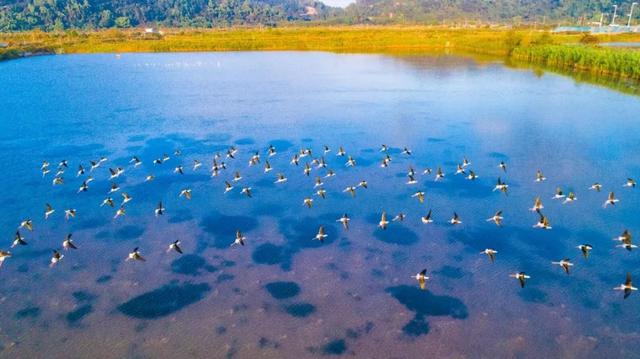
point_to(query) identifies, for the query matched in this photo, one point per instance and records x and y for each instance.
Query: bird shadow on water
(221, 229)
(298, 234)
(423, 303)
(164, 301)
(396, 234)
(192, 265)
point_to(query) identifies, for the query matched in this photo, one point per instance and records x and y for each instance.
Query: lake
(284, 294)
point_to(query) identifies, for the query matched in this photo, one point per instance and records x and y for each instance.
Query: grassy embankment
(559, 52)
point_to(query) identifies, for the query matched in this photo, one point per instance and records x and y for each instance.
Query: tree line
(54, 15)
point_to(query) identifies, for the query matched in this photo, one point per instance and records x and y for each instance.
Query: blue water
(283, 294)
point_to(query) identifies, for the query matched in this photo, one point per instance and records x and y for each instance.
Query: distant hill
(528, 11)
(17, 15)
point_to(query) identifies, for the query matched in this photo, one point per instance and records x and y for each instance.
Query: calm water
(284, 295)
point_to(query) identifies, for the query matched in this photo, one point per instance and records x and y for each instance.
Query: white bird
(57, 257)
(491, 253)
(175, 246)
(383, 221)
(240, 239)
(135, 255)
(321, 234)
(627, 287)
(565, 264)
(422, 279)
(611, 200)
(521, 277)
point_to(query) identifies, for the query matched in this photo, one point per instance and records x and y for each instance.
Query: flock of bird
(305, 159)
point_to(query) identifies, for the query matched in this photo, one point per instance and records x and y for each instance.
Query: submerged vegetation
(567, 53)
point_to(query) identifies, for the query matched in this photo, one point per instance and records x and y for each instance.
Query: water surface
(283, 294)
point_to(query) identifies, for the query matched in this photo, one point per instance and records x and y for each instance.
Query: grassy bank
(565, 52)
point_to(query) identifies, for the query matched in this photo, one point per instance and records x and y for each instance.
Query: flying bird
(135, 255)
(159, 211)
(48, 211)
(175, 246)
(344, 220)
(383, 221)
(565, 264)
(627, 287)
(427, 219)
(18, 240)
(611, 200)
(422, 279)
(240, 239)
(491, 253)
(497, 218)
(521, 277)
(68, 243)
(585, 249)
(55, 258)
(321, 234)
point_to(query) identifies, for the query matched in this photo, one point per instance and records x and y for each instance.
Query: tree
(123, 22)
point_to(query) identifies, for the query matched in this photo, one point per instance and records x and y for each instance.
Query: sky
(339, 3)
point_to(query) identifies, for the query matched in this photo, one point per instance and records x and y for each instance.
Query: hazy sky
(341, 3)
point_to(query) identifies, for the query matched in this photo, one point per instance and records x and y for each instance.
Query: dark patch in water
(283, 290)
(268, 209)
(450, 272)
(180, 216)
(165, 300)
(227, 263)
(189, 264)
(264, 343)
(499, 155)
(460, 187)
(355, 333)
(103, 235)
(299, 234)
(224, 277)
(245, 141)
(533, 295)
(104, 279)
(334, 347)
(23, 268)
(300, 310)
(396, 234)
(89, 223)
(416, 327)
(75, 316)
(223, 228)
(281, 145)
(136, 138)
(268, 253)
(435, 139)
(128, 232)
(423, 303)
(34, 253)
(221, 330)
(82, 296)
(28, 312)
(218, 137)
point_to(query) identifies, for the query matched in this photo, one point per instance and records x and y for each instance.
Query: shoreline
(567, 53)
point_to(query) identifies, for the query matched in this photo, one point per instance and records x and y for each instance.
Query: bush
(588, 39)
